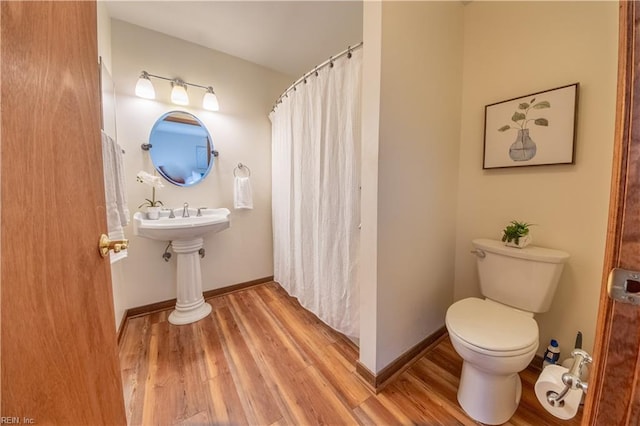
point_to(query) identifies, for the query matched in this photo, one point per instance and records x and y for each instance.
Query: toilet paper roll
(551, 380)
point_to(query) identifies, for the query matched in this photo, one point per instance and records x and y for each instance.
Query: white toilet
(497, 337)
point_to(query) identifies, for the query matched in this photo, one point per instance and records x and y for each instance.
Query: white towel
(114, 219)
(121, 188)
(242, 195)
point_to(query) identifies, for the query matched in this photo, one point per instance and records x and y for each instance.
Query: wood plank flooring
(262, 359)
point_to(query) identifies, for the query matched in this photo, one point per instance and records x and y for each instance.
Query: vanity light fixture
(210, 100)
(144, 87)
(179, 96)
(179, 93)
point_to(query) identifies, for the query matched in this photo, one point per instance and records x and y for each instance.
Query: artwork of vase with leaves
(524, 148)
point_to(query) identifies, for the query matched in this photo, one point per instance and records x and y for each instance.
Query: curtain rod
(329, 61)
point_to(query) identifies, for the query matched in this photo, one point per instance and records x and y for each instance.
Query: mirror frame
(210, 153)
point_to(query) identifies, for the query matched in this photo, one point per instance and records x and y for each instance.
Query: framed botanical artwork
(532, 130)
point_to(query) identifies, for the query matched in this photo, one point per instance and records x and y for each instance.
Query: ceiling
(287, 36)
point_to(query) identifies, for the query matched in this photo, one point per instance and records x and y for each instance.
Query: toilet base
(488, 398)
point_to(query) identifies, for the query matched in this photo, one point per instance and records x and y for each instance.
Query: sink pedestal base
(190, 306)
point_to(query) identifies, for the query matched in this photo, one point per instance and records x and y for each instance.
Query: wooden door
(58, 349)
(614, 394)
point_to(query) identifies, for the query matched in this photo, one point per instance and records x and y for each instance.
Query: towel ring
(240, 167)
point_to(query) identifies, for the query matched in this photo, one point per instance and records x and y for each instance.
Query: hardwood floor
(262, 359)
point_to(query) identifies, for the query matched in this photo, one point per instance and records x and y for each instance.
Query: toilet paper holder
(571, 378)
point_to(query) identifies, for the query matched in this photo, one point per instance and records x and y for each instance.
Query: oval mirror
(181, 148)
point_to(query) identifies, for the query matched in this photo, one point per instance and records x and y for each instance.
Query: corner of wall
(372, 32)
(408, 268)
(104, 34)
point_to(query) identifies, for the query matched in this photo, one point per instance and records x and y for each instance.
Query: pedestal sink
(186, 236)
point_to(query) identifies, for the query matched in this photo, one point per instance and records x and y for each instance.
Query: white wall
(513, 49)
(241, 132)
(104, 34)
(420, 73)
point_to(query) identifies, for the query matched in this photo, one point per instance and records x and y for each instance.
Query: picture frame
(532, 130)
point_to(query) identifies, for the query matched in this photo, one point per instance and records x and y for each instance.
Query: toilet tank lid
(539, 254)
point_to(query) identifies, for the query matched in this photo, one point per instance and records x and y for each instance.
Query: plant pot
(522, 242)
(153, 213)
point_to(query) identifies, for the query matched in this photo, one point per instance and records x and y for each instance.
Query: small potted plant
(153, 205)
(516, 234)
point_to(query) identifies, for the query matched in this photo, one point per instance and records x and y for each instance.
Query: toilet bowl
(496, 342)
(497, 337)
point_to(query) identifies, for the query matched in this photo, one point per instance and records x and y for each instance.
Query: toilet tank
(524, 278)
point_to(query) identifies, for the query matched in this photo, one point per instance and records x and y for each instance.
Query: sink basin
(181, 228)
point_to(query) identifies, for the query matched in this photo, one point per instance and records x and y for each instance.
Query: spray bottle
(552, 354)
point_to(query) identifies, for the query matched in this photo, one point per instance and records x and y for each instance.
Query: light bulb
(179, 93)
(144, 87)
(210, 100)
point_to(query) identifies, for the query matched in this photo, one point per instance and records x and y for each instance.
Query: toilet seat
(492, 329)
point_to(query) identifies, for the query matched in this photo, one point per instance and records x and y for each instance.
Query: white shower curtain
(316, 196)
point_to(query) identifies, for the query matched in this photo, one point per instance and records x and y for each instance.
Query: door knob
(106, 244)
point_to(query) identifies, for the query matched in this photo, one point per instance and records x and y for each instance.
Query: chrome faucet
(185, 210)
(200, 211)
